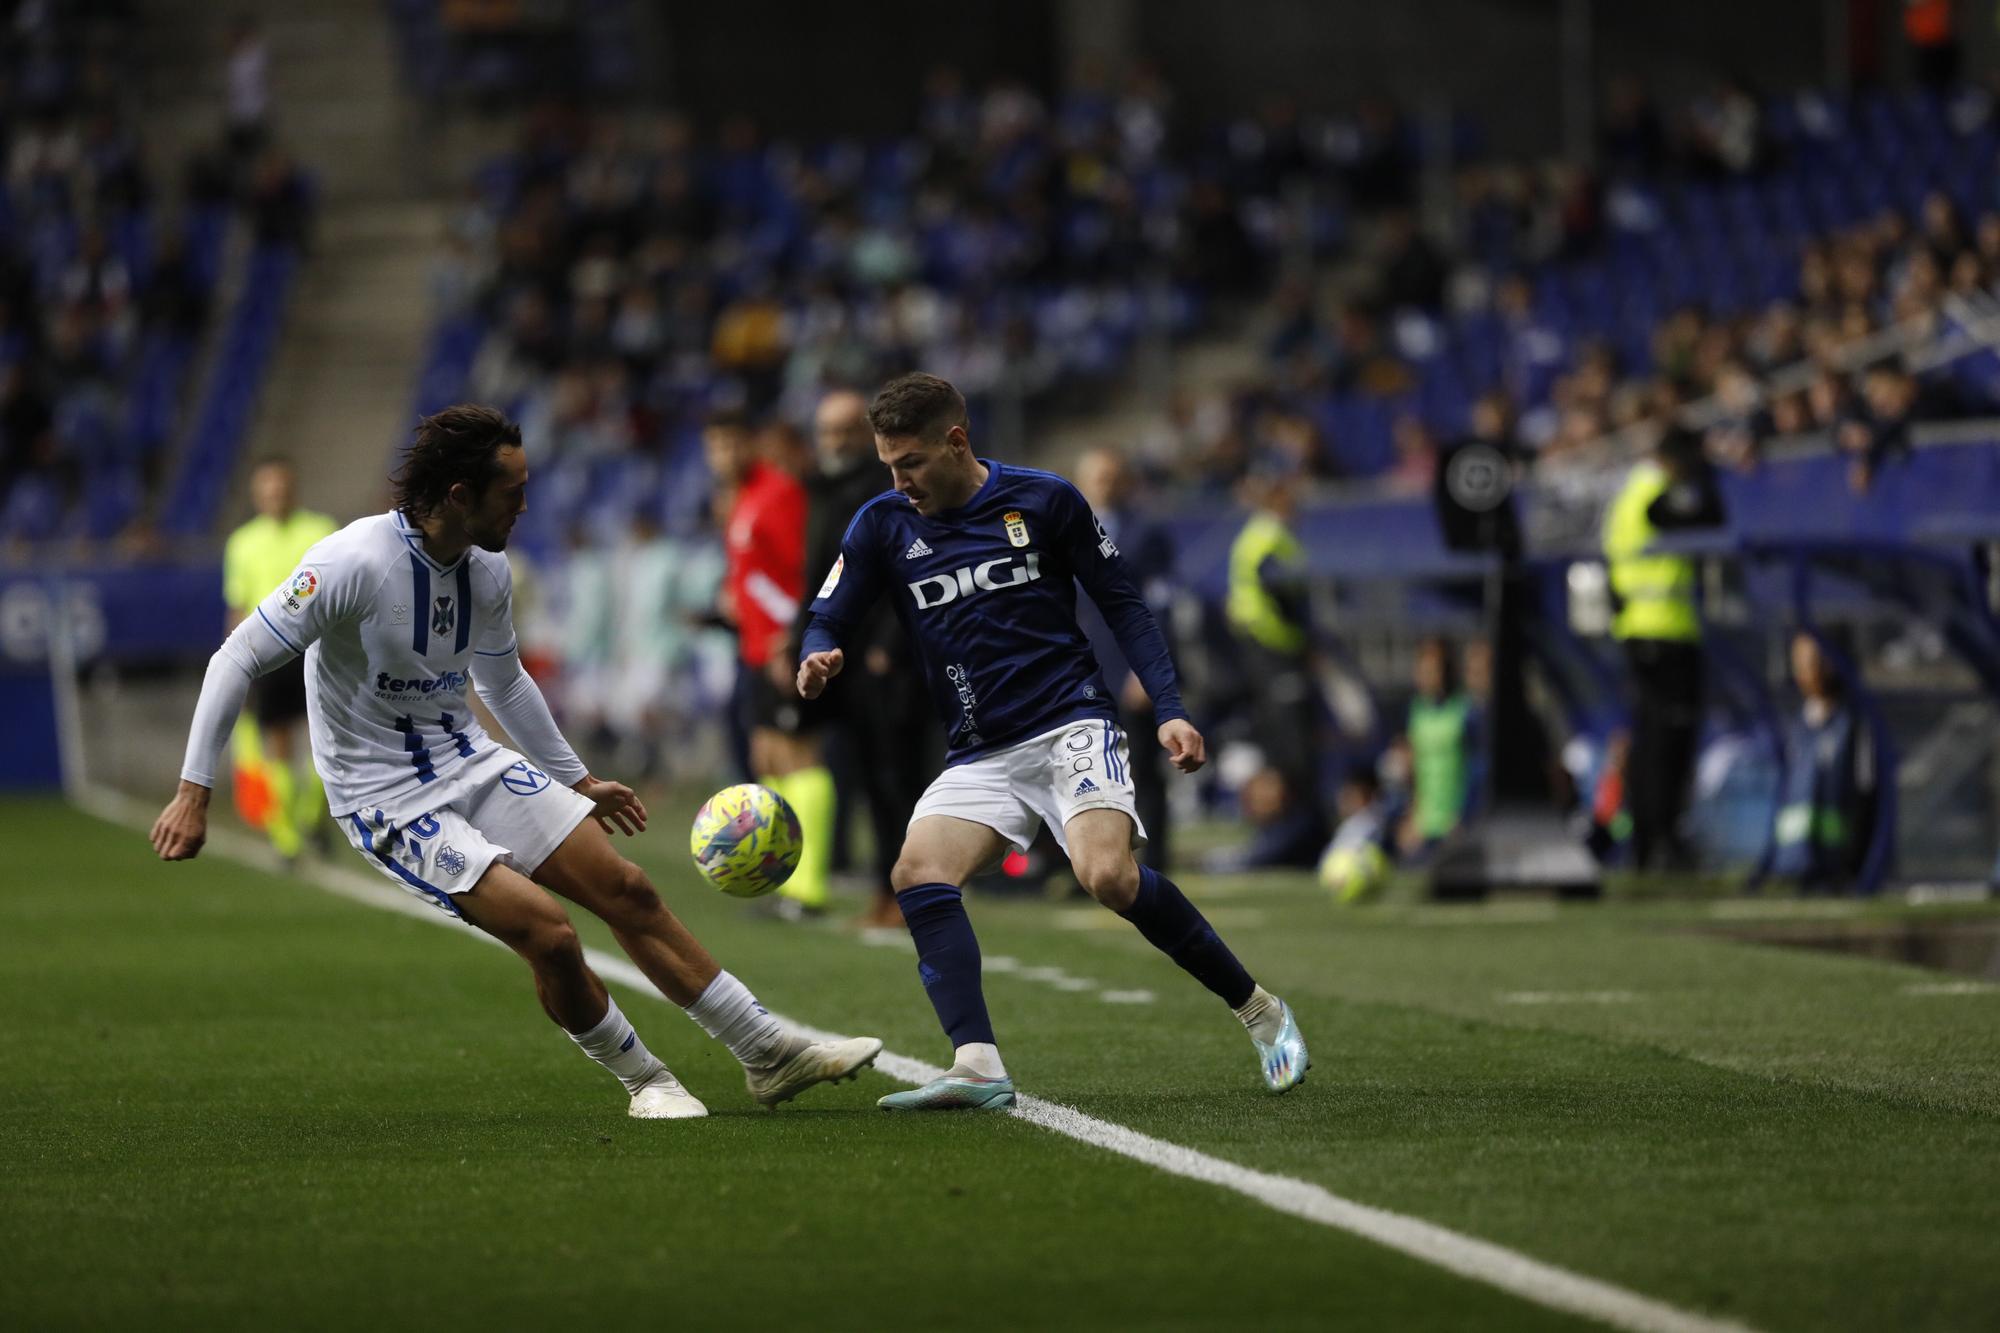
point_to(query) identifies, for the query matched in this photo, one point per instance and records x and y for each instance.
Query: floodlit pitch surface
(233, 1100)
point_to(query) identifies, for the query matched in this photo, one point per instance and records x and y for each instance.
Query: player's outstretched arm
(251, 649)
(817, 669)
(1183, 744)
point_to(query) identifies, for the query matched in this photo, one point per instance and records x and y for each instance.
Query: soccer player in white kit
(396, 614)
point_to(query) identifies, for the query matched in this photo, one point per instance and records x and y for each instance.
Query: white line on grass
(1469, 1257)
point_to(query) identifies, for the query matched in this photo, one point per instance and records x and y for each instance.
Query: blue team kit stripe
(382, 854)
(420, 605)
(280, 633)
(464, 606)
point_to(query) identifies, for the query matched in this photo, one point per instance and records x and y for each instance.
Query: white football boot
(820, 1062)
(665, 1099)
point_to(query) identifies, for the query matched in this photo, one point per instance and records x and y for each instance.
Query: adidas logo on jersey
(1084, 786)
(917, 549)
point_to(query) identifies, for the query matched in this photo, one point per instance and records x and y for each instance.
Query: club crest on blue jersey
(443, 615)
(1017, 527)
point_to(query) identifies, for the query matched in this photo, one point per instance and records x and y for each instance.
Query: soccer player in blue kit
(983, 560)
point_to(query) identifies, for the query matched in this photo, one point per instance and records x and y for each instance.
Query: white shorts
(1050, 779)
(511, 812)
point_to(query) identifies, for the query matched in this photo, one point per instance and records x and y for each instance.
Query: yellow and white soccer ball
(1353, 874)
(745, 840)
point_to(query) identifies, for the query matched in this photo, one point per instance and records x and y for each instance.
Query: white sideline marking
(1469, 1257)
(1005, 965)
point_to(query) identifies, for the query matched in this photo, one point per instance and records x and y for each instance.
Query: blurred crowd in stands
(1742, 268)
(108, 274)
(1757, 267)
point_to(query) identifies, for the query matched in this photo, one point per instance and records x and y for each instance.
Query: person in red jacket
(764, 539)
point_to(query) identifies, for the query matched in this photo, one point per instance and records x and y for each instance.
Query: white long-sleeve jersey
(391, 640)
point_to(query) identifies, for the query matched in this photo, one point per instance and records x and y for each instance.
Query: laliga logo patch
(833, 576)
(301, 589)
(1017, 530)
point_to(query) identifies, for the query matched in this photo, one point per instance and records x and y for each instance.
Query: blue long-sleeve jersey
(987, 593)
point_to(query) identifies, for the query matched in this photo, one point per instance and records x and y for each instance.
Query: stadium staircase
(357, 316)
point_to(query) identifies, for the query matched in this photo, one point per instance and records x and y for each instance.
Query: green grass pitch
(229, 1100)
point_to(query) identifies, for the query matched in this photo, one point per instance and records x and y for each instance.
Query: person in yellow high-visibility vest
(1267, 608)
(1659, 626)
(258, 557)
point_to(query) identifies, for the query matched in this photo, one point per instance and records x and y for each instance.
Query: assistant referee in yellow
(258, 557)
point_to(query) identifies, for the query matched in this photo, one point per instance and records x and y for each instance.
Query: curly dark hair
(917, 404)
(456, 445)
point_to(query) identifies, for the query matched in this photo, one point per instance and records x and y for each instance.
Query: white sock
(1263, 1015)
(613, 1044)
(728, 1012)
(981, 1059)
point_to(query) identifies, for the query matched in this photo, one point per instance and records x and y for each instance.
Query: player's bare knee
(551, 944)
(631, 900)
(1113, 880)
(910, 871)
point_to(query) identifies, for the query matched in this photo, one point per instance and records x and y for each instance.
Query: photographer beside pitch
(395, 615)
(987, 557)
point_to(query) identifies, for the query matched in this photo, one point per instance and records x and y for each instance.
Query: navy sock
(1176, 927)
(948, 960)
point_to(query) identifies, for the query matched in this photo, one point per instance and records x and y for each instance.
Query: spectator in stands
(1726, 132)
(1412, 272)
(765, 538)
(279, 200)
(1659, 626)
(174, 299)
(1875, 429)
(247, 91)
(1416, 465)
(1107, 484)
(1633, 141)
(259, 556)
(1825, 817)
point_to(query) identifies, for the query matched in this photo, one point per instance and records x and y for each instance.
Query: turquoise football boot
(954, 1092)
(1284, 1061)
